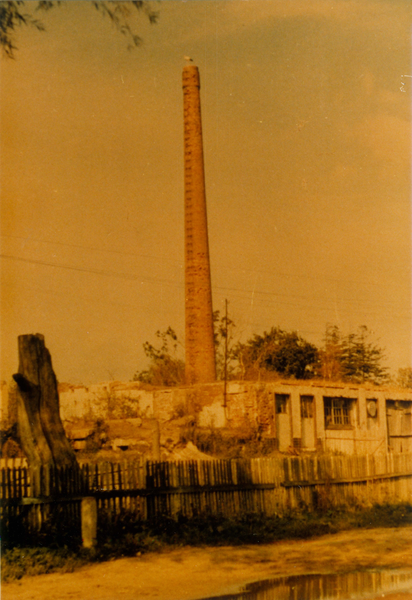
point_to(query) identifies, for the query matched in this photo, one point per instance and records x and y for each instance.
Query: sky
(306, 109)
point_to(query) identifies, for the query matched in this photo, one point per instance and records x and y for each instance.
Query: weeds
(231, 445)
(60, 528)
(17, 562)
(126, 535)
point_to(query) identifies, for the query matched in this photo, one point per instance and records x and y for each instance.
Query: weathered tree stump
(41, 431)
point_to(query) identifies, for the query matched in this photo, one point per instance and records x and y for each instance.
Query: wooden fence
(151, 490)
(11, 463)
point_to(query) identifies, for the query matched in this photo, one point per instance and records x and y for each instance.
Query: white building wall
(248, 404)
(112, 400)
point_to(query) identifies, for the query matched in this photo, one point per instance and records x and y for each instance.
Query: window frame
(338, 412)
(306, 401)
(282, 401)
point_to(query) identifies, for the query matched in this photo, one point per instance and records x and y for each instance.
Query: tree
(353, 357)
(404, 377)
(277, 351)
(330, 356)
(361, 359)
(13, 15)
(223, 333)
(166, 368)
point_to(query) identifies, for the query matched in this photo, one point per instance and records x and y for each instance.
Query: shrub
(126, 535)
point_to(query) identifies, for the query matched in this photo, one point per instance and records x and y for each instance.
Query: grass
(126, 536)
(17, 562)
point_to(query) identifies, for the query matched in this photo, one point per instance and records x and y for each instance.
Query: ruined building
(300, 415)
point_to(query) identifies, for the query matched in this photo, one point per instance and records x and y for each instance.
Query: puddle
(347, 586)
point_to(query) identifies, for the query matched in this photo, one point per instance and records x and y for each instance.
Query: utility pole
(225, 365)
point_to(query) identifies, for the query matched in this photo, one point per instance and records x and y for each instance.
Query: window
(338, 413)
(407, 422)
(281, 402)
(306, 407)
(399, 416)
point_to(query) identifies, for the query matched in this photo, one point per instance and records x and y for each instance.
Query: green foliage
(10, 440)
(330, 354)
(126, 535)
(98, 436)
(277, 351)
(404, 378)
(353, 357)
(13, 15)
(17, 562)
(361, 359)
(11, 449)
(246, 442)
(60, 526)
(383, 515)
(165, 368)
(224, 349)
(120, 12)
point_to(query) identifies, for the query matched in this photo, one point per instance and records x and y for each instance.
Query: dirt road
(193, 573)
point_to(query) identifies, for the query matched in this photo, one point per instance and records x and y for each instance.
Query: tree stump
(41, 431)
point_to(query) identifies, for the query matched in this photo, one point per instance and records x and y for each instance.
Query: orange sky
(307, 150)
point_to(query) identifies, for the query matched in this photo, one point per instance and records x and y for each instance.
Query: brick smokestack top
(200, 349)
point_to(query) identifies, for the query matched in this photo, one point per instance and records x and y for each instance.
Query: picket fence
(150, 490)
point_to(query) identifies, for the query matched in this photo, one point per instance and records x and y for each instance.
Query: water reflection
(348, 586)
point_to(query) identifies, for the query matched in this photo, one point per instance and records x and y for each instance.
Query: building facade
(296, 415)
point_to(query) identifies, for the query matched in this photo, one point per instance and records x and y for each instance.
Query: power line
(266, 301)
(161, 259)
(95, 300)
(85, 270)
(245, 294)
(265, 293)
(94, 249)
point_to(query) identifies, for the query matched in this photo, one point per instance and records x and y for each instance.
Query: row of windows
(337, 410)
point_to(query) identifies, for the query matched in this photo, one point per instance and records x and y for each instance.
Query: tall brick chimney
(200, 350)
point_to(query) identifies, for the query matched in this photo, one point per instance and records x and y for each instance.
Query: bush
(60, 527)
(230, 444)
(126, 535)
(17, 562)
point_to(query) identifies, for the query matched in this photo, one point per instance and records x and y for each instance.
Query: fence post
(89, 522)
(156, 440)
